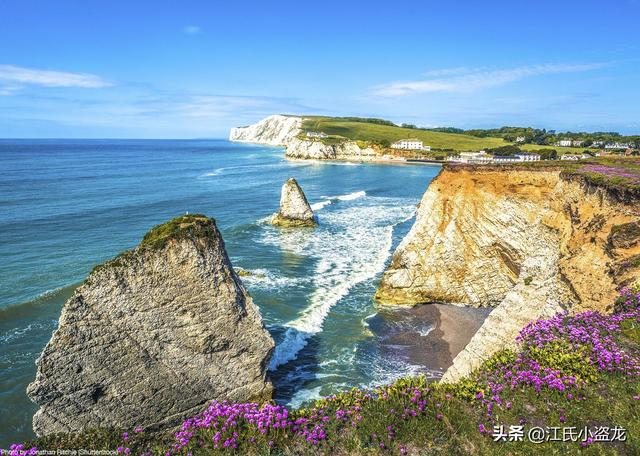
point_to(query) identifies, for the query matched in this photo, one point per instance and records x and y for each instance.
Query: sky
(194, 69)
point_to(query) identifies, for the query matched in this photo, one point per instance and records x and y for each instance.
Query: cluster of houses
(595, 144)
(481, 158)
(410, 144)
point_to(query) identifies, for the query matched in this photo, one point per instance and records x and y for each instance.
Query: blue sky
(167, 69)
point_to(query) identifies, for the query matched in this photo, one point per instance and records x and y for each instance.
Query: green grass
(450, 422)
(376, 133)
(158, 236)
(340, 129)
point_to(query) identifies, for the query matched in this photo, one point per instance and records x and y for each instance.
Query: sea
(67, 205)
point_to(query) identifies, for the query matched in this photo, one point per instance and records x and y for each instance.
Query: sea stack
(152, 336)
(294, 207)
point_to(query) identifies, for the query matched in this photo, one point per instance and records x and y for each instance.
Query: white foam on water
(215, 172)
(266, 279)
(352, 196)
(18, 333)
(304, 395)
(331, 199)
(320, 205)
(351, 246)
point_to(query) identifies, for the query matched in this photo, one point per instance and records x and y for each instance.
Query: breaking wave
(350, 247)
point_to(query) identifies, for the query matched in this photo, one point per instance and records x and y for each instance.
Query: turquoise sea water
(67, 205)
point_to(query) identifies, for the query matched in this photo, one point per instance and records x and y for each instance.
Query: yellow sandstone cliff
(529, 242)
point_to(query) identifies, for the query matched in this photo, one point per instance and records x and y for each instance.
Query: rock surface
(276, 130)
(152, 336)
(294, 207)
(317, 150)
(528, 242)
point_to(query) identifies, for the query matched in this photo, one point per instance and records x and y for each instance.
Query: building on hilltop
(482, 157)
(472, 157)
(410, 144)
(526, 157)
(616, 145)
(506, 159)
(564, 143)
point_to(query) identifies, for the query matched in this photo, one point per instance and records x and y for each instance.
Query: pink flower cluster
(613, 171)
(227, 421)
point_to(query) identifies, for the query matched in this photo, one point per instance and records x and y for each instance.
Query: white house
(564, 143)
(577, 143)
(520, 139)
(472, 157)
(506, 159)
(410, 144)
(528, 157)
(484, 158)
(569, 157)
(616, 145)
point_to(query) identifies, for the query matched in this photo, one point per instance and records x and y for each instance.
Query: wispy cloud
(192, 30)
(15, 77)
(472, 80)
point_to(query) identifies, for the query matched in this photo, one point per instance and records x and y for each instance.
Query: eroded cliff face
(152, 336)
(317, 150)
(529, 242)
(276, 130)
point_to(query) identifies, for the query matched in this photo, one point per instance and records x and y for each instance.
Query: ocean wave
(352, 196)
(215, 172)
(332, 199)
(320, 205)
(264, 278)
(303, 396)
(21, 333)
(351, 246)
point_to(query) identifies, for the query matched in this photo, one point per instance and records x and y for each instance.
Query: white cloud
(462, 80)
(13, 76)
(192, 30)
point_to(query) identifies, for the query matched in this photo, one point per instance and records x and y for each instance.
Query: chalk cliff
(529, 242)
(276, 130)
(152, 336)
(294, 207)
(317, 150)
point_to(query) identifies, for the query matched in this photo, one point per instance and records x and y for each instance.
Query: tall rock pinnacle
(152, 336)
(294, 207)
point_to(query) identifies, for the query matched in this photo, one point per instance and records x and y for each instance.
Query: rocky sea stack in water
(294, 207)
(152, 336)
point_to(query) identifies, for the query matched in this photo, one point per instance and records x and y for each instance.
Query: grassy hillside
(365, 131)
(378, 133)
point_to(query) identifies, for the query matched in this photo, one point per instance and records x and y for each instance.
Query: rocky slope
(278, 130)
(317, 150)
(529, 242)
(152, 336)
(294, 207)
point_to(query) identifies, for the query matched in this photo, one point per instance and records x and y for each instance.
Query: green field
(375, 133)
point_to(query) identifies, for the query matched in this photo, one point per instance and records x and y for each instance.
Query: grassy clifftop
(377, 133)
(383, 132)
